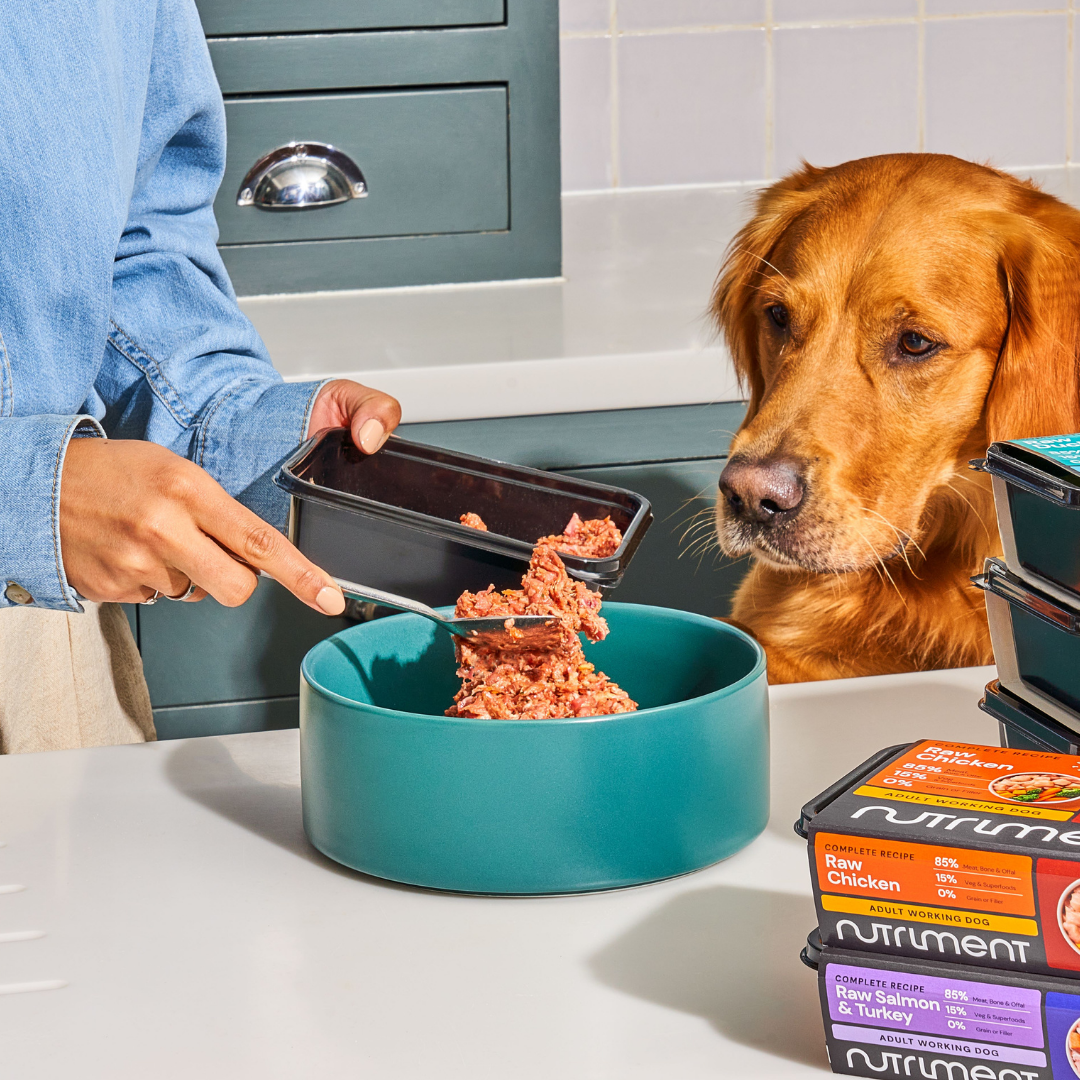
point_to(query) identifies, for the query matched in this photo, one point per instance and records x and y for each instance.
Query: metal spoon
(540, 631)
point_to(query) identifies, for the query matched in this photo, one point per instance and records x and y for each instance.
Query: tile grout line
(820, 24)
(613, 30)
(920, 76)
(770, 93)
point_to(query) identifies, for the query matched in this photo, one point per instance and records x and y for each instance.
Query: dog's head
(890, 317)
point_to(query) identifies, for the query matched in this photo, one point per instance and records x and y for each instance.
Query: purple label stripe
(955, 1008)
(912, 1040)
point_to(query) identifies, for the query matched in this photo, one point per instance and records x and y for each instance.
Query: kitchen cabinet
(235, 17)
(448, 109)
(215, 670)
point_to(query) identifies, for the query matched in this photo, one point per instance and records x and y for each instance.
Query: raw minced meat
(526, 684)
(598, 538)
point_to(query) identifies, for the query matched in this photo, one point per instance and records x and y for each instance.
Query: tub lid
(1048, 466)
(1020, 715)
(996, 579)
(811, 953)
(870, 766)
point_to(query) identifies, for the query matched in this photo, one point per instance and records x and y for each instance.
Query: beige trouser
(69, 680)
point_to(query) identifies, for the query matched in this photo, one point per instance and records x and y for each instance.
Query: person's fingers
(369, 414)
(368, 434)
(261, 546)
(218, 574)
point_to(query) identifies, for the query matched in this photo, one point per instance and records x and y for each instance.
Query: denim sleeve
(32, 449)
(184, 367)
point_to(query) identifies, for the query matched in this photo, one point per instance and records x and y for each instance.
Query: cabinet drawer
(568, 440)
(435, 161)
(237, 17)
(227, 718)
(195, 654)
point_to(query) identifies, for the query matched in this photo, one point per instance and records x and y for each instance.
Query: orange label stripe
(924, 874)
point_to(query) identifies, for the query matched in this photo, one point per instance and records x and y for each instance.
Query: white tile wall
(669, 92)
(865, 92)
(688, 108)
(995, 88)
(585, 85)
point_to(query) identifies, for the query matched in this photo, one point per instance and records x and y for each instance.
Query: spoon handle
(388, 599)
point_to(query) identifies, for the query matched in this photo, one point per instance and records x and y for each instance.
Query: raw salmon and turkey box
(892, 1017)
(952, 852)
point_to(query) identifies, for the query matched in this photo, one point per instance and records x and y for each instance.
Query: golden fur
(871, 575)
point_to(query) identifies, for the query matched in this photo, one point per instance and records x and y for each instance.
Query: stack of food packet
(947, 883)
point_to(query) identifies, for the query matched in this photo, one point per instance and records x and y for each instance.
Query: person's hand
(135, 518)
(368, 414)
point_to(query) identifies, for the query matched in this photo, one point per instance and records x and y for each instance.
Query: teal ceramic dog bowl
(393, 788)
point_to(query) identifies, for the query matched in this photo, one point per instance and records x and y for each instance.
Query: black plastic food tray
(1036, 640)
(390, 520)
(1038, 511)
(1023, 727)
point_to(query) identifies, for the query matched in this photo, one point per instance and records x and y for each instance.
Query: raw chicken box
(952, 852)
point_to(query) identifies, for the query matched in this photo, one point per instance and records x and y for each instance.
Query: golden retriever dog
(889, 317)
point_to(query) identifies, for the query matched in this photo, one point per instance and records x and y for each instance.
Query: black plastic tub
(1037, 495)
(390, 520)
(1024, 727)
(1036, 638)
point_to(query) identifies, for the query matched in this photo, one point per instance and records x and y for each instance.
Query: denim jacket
(116, 313)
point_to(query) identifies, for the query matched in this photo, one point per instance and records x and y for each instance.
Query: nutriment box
(1037, 496)
(1036, 641)
(949, 851)
(1023, 726)
(890, 1017)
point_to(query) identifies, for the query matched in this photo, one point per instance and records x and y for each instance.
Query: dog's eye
(912, 343)
(779, 315)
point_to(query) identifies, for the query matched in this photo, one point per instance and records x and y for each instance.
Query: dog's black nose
(767, 492)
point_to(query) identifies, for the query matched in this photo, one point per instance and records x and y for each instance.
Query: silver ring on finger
(152, 600)
(185, 595)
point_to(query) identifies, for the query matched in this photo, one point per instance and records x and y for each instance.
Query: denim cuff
(245, 435)
(32, 450)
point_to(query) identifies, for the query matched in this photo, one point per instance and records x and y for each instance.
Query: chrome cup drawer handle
(302, 176)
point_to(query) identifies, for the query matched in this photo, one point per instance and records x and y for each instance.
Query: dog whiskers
(971, 506)
(879, 562)
(903, 539)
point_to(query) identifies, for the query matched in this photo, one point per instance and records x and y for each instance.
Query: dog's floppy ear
(1036, 387)
(733, 296)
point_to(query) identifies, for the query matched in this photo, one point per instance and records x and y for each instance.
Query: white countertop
(165, 903)
(625, 328)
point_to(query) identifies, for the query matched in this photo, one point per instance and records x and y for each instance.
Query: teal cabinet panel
(435, 161)
(194, 654)
(290, 63)
(227, 718)
(568, 440)
(259, 269)
(678, 564)
(520, 56)
(289, 17)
